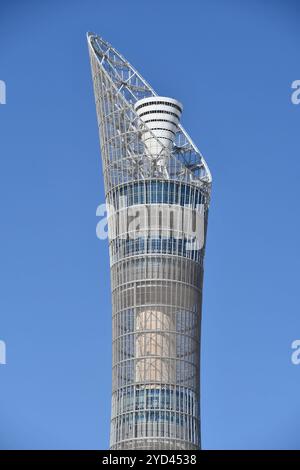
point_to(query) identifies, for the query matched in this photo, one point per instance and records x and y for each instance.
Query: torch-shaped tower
(157, 187)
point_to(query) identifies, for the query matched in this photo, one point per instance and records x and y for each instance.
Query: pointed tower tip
(91, 35)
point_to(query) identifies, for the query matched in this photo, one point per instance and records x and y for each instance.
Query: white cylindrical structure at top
(161, 115)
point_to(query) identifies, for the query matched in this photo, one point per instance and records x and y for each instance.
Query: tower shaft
(157, 188)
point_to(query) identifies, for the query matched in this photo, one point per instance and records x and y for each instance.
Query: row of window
(159, 111)
(162, 129)
(130, 399)
(158, 443)
(155, 424)
(156, 192)
(158, 120)
(153, 103)
(120, 248)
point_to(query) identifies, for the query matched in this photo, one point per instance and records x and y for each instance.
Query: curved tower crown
(153, 173)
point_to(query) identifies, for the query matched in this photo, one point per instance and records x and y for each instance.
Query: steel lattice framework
(156, 279)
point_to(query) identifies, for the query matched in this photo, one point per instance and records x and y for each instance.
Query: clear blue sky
(231, 63)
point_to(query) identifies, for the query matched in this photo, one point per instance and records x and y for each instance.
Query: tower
(157, 187)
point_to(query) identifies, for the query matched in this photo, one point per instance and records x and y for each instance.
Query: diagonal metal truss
(117, 88)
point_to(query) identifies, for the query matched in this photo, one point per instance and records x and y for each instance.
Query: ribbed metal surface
(156, 276)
